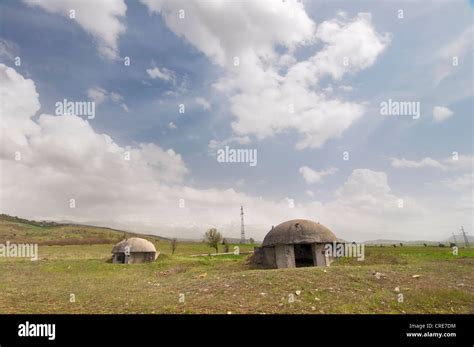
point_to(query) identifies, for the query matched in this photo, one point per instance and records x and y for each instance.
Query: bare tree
(213, 238)
(174, 245)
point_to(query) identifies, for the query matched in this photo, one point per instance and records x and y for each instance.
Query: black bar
(243, 329)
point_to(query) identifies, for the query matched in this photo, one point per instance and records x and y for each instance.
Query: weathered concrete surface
(285, 256)
(269, 257)
(318, 254)
(298, 231)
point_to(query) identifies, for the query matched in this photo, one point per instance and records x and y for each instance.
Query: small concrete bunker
(295, 243)
(134, 250)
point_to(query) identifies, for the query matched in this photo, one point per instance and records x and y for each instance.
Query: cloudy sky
(302, 83)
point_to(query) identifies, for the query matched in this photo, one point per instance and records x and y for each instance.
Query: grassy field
(228, 283)
(74, 263)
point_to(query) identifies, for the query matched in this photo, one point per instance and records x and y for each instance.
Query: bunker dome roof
(136, 244)
(298, 231)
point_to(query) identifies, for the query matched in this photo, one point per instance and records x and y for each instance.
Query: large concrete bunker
(295, 243)
(134, 250)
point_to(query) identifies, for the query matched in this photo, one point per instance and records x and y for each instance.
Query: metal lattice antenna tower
(242, 228)
(466, 242)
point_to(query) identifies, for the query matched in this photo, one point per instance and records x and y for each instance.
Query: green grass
(228, 283)
(74, 259)
(407, 254)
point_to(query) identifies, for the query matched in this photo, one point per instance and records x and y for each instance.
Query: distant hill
(459, 241)
(397, 242)
(20, 230)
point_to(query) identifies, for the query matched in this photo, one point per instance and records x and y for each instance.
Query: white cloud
(206, 106)
(441, 113)
(97, 94)
(210, 27)
(124, 107)
(19, 101)
(100, 95)
(101, 19)
(463, 182)
(164, 74)
(264, 100)
(240, 183)
(413, 164)
(312, 176)
(241, 140)
(366, 200)
(63, 158)
(346, 88)
(460, 185)
(267, 103)
(354, 39)
(463, 186)
(116, 97)
(455, 162)
(8, 49)
(460, 162)
(457, 47)
(365, 181)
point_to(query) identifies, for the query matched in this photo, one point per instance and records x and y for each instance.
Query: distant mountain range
(459, 240)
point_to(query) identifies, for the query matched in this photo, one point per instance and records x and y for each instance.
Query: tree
(174, 245)
(251, 240)
(213, 238)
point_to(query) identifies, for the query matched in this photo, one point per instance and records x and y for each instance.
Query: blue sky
(63, 59)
